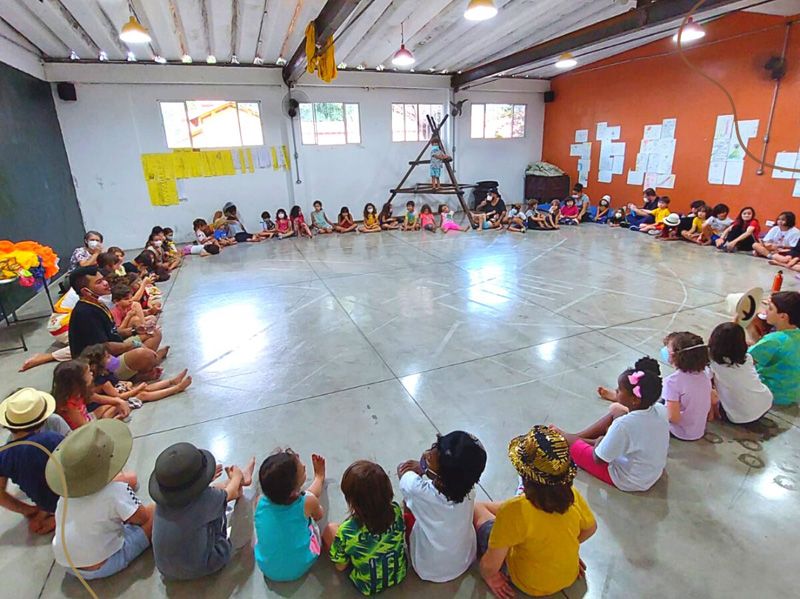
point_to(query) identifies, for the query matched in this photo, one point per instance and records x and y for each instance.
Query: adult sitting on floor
(490, 212)
(91, 322)
(643, 215)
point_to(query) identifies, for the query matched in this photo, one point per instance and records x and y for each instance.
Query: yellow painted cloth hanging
(323, 63)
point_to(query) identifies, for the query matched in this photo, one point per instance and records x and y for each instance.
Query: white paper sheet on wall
(726, 165)
(635, 177)
(652, 131)
(604, 176)
(601, 132)
(581, 136)
(668, 128)
(576, 150)
(786, 160)
(613, 132)
(796, 192)
(619, 165)
(656, 157)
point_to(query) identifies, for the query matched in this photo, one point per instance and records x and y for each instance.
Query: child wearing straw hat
(107, 526)
(534, 538)
(190, 528)
(25, 414)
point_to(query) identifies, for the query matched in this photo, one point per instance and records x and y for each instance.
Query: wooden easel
(426, 188)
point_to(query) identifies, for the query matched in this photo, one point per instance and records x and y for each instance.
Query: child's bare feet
(247, 472)
(36, 360)
(162, 353)
(178, 377)
(606, 394)
(318, 462)
(182, 386)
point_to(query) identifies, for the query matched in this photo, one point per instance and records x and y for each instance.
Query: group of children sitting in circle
(529, 542)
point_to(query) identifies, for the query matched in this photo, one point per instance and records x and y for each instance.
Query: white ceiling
(435, 30)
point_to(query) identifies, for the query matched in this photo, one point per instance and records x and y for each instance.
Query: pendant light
(566, 61)
(133, 33)
(403, 57)
(691, 33)
(480, 10)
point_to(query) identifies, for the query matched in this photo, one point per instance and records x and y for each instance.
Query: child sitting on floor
(534, 219)
(671, 228)
(385, 218)
(695, 232)
(788, 258)
(569, 213)
(371, 541)
(515, 219)
(267, 226)
(688, 390)
(371, 224)
(106, 383)
(119, 268)
(128, 313)
(742, 397)
(603, 210)
(319, 220)
(410, 219)
(439, 496)
(617, 218)
(72, 390)
(627, 448)
(299, 225)
(283, 226)
(783, 236)
(534, 538)
(446, 222)
(289, 540)
(427, 222)
(345, 222)
(555, 211)
(25, 413)
(742, 234)
(659, 214)
(716, 224)
(190, 526)
(106, 526)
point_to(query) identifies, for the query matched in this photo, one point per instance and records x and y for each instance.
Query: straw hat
(91, 456)
(542, 456)
(182, 472)
(26, 408)
(744, 306)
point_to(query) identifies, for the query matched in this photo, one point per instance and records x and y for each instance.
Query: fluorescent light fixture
(211, 59)
(480, 10)
(281, 61)
(131, 57)
(186, 59)
(691, 33)
(160, 59)
(133, 33)
(566, 61)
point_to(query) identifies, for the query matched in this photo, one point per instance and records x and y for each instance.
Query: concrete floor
(366, 346)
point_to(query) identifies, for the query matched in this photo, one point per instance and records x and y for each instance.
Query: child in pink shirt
(570, 212)
(687, 391)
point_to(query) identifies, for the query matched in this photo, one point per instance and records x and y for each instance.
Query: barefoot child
(25, 413)
(437, 158)
(515, 219)
(299, 225)
(385, 218)
(627, 448)
(439, 496)
(537, 534)
(783, 236)
(688, 390)
(371, 224)
(190, 527)
(410, 219)
(374, 534)
(695, 232)
(345, 223)
(289, 540)
(283, 226)
(72, 391)
(446, 222)
(427, 222)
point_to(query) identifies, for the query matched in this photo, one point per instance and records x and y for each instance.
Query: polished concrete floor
(367, 346)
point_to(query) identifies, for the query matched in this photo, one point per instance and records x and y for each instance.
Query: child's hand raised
(318, 463)
(409, 466)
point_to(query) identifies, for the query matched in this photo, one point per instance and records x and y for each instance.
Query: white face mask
(369, 210)
(93, 244)
(157, 243)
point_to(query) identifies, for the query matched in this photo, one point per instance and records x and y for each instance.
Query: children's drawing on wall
(656, 156)
(727, 155)
(612, 153)
(789, 160)
(582, 148)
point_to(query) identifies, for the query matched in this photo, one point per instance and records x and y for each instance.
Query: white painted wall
(115, 120)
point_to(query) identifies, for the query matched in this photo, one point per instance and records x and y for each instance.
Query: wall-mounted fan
(776, 67)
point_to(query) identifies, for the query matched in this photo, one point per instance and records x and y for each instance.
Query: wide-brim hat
(672, 220)
(181, 473)
(90, 456)
(745, 306)
(26, 408)
(542, 456)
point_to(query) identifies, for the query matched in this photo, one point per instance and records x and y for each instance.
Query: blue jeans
(136, 542)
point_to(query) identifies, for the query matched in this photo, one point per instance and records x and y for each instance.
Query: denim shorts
(136, 542)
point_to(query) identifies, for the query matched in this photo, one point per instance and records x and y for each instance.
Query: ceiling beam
(330, 18)
(647, 15)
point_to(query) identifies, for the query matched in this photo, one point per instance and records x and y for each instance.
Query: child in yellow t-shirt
(695, 234)
(659, 214)
(532, 540)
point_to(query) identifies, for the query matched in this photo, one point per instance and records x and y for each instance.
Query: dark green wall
(37, 196)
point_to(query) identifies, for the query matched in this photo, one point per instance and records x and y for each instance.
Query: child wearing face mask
(371, 224)
(439, 495)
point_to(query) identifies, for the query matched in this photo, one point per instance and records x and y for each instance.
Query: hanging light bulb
(566, 61)
(133, 33)
(480, 10)
(403, 57)
(692, 32)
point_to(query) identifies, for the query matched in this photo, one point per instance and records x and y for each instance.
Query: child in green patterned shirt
(372, 540)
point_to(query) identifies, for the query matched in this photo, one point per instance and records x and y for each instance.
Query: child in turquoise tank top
(286, 517)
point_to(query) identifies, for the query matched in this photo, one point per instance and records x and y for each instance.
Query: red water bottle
(777, 282)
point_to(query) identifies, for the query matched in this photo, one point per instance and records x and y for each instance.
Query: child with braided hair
(627, 448)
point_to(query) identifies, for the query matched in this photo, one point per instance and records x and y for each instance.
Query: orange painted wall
(651, 83)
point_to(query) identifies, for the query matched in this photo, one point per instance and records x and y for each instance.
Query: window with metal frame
(409, 122)
(211, 124)
(329, 123)
(497, 121)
